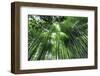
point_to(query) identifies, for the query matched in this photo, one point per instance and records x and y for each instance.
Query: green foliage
(57, 37)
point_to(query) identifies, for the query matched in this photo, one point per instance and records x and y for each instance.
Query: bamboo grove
(57, 37)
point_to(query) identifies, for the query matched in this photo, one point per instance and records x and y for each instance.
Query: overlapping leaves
(57, 37)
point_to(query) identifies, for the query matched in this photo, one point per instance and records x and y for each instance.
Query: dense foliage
(57, 37)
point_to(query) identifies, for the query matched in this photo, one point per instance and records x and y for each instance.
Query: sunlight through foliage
(57, 37)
